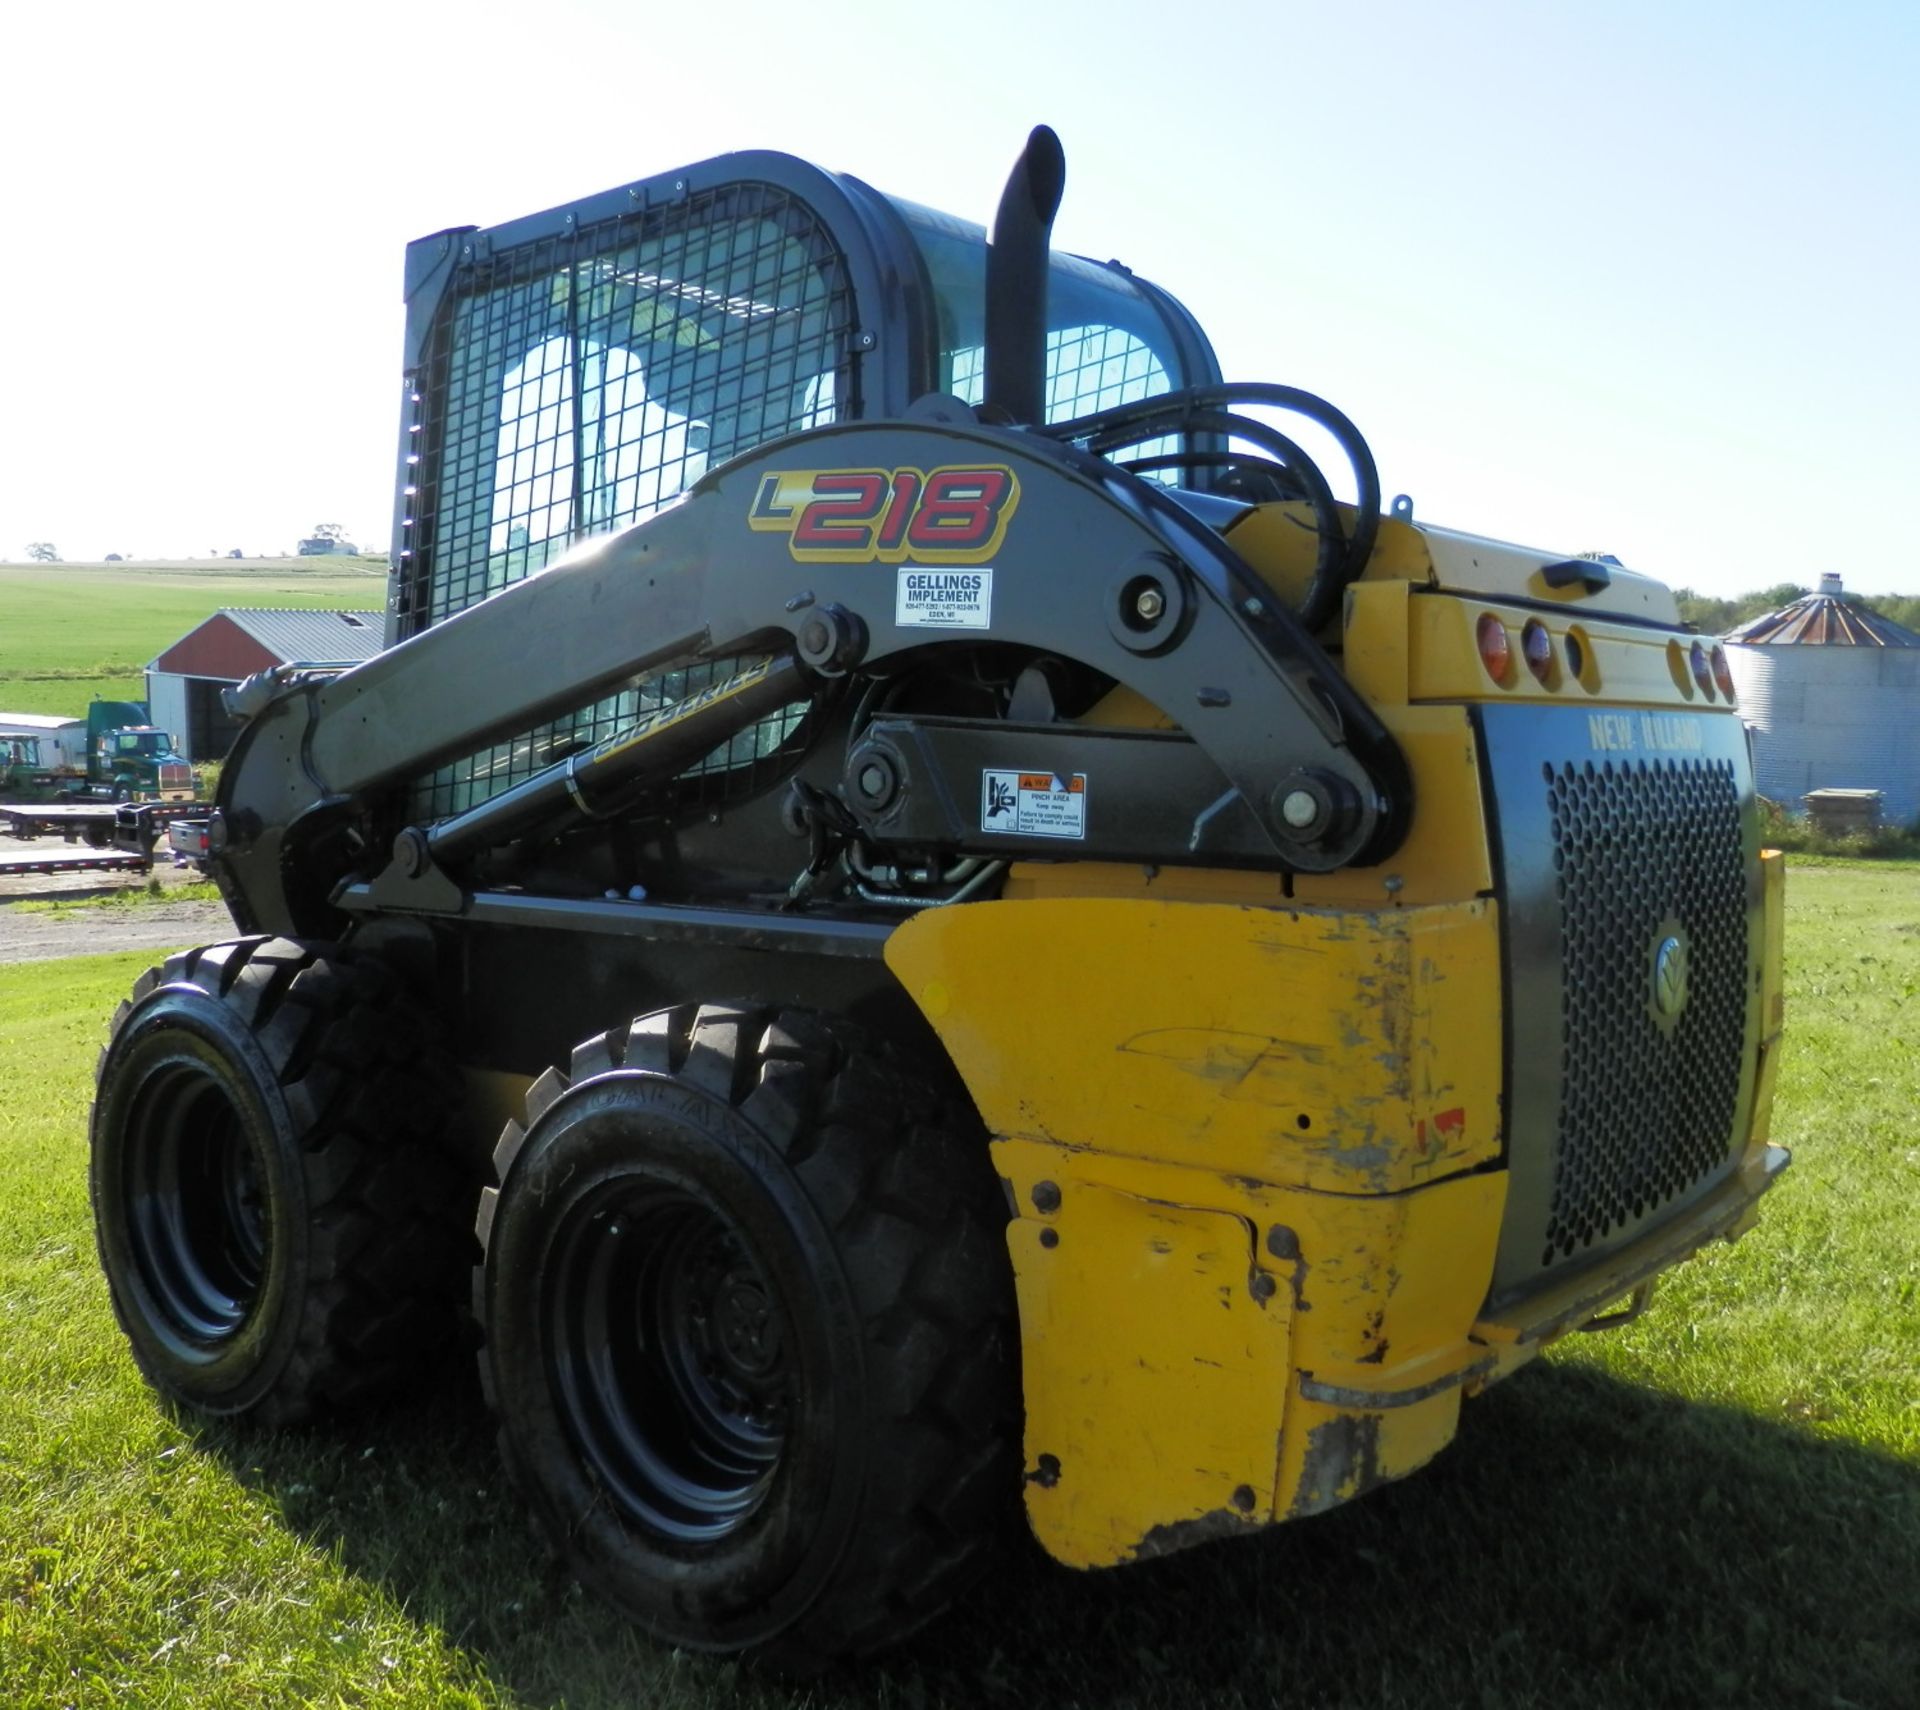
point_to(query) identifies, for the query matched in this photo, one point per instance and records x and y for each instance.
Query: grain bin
(1832, 691)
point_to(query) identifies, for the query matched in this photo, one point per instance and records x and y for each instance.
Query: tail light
(1496, 647)
(1723, 672)
(1702, 672)
(1536, 647)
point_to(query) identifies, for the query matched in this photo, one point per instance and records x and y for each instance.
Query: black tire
(749, 1332)
(276, 1210)
(122, 791)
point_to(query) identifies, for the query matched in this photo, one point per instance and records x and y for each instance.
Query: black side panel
(520, 1000)
(1629, 848)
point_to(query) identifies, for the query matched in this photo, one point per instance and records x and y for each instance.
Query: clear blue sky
(1638, 278)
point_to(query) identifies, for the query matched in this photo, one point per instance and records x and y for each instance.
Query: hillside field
(1718, 1505)
(69, 632)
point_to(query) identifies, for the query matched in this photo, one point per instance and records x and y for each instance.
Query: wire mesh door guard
(574, 384)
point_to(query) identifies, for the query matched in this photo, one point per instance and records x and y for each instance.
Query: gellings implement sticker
(943, 599)
(1034, 804)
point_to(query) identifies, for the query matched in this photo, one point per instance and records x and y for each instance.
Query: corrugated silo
(1833, 693)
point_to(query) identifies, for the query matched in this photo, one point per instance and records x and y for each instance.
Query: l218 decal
(957, 514)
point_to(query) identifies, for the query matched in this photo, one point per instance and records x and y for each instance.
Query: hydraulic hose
(1208, 409)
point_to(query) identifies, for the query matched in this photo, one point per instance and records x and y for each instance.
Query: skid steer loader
(935, 922)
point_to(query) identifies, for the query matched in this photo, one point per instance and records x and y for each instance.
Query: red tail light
(1496, 647)
(1723, 672)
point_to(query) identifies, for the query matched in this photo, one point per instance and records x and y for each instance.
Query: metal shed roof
(322, 637)
(25, 723)
(319, 638)
(1824, 619)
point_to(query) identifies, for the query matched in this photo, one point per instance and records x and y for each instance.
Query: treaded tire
(277, 1210)
(749, 1332)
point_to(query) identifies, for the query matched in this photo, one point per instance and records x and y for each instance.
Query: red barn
(184, 682)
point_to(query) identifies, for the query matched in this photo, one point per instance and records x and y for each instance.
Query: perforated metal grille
(574, 385)
(1644, 852)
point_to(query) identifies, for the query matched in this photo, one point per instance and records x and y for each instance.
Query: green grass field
(69, 632)
(1717, 1506)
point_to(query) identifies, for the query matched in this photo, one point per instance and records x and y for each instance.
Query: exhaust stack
(1016, 353)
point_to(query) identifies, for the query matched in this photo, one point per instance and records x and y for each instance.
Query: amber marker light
(1496, 649)
(1536, 647)
(1702, 674)
(1723, 671)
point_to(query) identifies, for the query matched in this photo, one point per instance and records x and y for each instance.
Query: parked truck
(113, 754)
(129, 759)
(23, 775)
(41, 742)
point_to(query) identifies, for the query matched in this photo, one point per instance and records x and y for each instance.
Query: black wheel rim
(667, 1353)
(197, 1206)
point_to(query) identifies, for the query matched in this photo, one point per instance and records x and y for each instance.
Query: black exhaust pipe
(1016, 354)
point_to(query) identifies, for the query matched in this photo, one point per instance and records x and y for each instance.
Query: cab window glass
(577, 384)
(1106, 344)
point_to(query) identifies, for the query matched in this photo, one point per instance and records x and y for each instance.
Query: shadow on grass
(1585, 1543)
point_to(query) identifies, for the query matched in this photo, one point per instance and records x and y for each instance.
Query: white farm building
(1832, 692)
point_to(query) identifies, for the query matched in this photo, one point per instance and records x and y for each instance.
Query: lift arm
(865, 548)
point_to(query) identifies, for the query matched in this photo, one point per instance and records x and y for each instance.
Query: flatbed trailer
(119, 837)
(131, 828)
(88, 823)
(94, 861)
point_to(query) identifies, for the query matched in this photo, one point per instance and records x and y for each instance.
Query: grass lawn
(1718, 1505)
(69, 632)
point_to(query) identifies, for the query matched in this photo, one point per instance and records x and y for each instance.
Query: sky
(1630, 278)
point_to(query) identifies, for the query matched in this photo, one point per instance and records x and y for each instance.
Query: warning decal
(1034, 804)
(943, 599)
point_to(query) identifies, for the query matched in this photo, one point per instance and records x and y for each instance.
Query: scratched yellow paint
(1300, 1106)
(1169, 1319)
(1251, 1124)
(1156, 1373)
(1351, 1052)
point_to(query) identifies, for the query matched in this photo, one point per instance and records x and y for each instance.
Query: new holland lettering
(1666, 734)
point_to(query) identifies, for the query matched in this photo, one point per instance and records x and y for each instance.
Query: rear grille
(1644, 850)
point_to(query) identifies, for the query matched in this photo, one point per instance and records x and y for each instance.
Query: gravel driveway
(39, 937)
(34, 936)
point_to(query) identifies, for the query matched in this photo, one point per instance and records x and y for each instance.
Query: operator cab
(572, 372)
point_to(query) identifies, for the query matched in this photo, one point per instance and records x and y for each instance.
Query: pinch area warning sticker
(943, 599)
(1034, 804)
